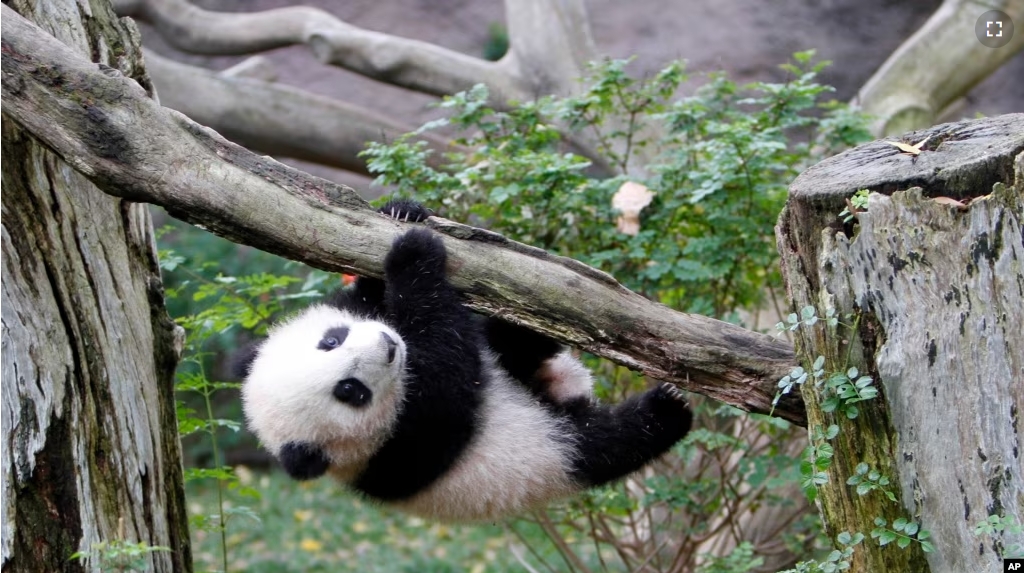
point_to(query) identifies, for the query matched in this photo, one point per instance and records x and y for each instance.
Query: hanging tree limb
(103, 125)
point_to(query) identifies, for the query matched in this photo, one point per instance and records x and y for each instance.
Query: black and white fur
(396, 389)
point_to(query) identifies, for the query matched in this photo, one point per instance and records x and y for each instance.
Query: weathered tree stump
(939, 288)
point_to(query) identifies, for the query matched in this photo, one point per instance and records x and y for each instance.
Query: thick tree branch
(937, 65)
(411, 64)
(107, 128)
(276, 119)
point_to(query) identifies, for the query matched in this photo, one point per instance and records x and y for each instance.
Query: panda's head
(328, 378)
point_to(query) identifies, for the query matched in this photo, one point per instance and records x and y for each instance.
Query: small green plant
(903, 532)
(856, 204)
(119, 555)
(740, 560)
(868, 480)
(842, 388)
(999, 525)
(837, 560)
(817, 459)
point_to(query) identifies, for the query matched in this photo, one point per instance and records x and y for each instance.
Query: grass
(318, 526)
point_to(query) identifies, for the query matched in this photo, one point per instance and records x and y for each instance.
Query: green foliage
(837, 560)
(740, 560)
(868, 480)
(718, 163)
(842, 388)
(118, 556)
(903, 532)
(839, 392)
(817, 459)
(859, 202)
(1000, 525)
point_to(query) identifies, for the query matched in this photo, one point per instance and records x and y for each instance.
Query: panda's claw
(674, 392)
(405, 210)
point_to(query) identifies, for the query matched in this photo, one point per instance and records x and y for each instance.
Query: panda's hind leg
(538, 362)
(612, 442)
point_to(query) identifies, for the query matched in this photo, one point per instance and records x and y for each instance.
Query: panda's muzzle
(352, 392)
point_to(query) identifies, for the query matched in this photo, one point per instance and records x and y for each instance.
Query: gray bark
(941, 291)
(137, 150)
(90, 436)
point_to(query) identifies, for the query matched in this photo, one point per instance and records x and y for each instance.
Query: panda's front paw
(405, 210)
(417, 253)
(303, 461)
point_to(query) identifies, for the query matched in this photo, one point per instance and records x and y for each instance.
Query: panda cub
(399, 391)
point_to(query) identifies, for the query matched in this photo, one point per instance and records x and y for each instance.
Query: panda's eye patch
(333, 338)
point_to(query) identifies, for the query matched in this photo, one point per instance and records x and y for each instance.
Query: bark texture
(134, 149)
(89, 428)
(940, 289)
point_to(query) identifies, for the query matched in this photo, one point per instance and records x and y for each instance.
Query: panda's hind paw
(405, 210)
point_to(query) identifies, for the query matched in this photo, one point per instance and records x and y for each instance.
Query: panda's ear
(241, 361)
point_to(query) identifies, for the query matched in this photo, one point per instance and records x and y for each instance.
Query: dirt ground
(747, 39)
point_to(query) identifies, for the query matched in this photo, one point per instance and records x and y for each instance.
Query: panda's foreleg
(367, 294)
(443, 364)
(613, 442)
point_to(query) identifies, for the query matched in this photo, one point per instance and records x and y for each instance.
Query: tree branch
(937, 65)
(105, 127)
(411, 64)
(276, 119)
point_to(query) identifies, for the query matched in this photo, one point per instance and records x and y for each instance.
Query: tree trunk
(939, 289)
(91, 446)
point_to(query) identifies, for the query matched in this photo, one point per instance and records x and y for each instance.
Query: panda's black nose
(391, 344)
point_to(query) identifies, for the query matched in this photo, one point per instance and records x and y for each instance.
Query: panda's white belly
(515, 463)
